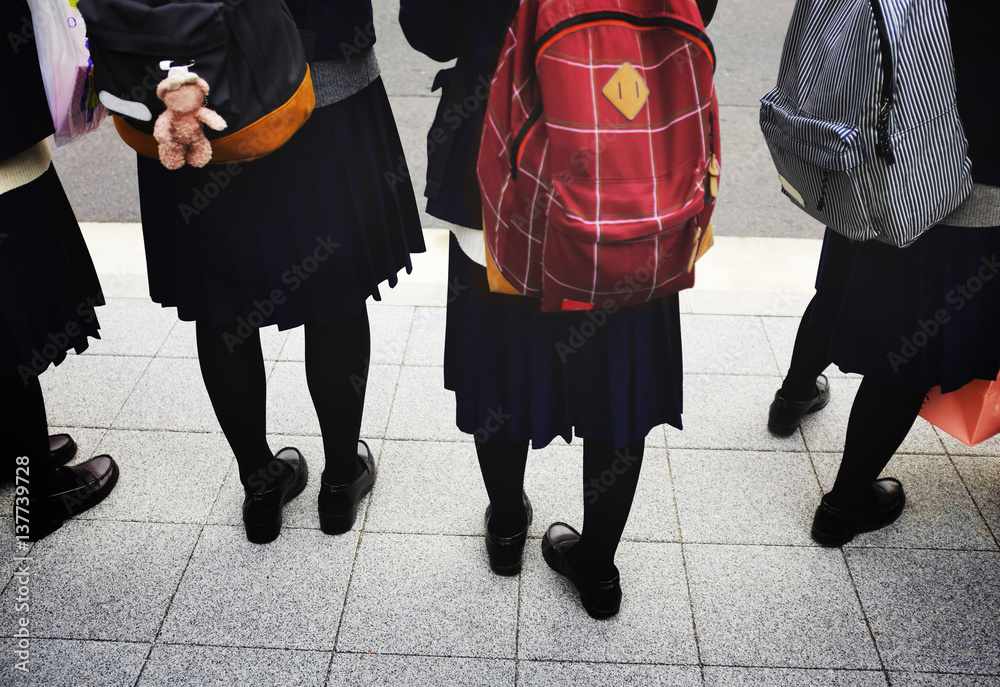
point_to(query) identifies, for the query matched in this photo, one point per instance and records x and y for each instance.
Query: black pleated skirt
(48, 285)
(303, 235)
(524, 374)
(921, 316)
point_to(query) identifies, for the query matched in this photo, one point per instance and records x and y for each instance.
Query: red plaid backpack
(599, 160)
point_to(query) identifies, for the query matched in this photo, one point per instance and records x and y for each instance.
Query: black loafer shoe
(262, 510)
(601, 598)
(834, 526)
(93, 480)
(62, 449)
(505, 553)
(338, 503)
(784, 416)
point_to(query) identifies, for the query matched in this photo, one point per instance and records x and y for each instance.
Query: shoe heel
(339, 523)
(263, 532)
(831, 540)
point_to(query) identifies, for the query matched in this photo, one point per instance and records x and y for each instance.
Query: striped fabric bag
(863, 126)
(599, 163)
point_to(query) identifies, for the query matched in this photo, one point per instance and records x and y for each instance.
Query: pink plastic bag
(61, 40)
(970, 414)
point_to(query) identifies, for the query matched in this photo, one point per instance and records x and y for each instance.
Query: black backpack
(249, 51)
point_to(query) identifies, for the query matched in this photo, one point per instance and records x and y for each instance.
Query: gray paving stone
(389, 324)
(723, 344)
(791, 677)
(374, 670)
(943, 680)
(194, 666)
(104, 580)
(774, 606)
(290, 408)
(182, 342)
(551, 674)
(165, 476)
(931, 610)
(939, 513)
(982, 477)
(825, 430)
(89, 391)
(781, 335)
(73, 663)
(428, 595)
(989, 447)
(728, 412)
(426, 342)
(300, 513)
(423, 409)
(429, 488)
(132, 327)
(284, 595)
(744, 497)
(170, 396)
(653, 626)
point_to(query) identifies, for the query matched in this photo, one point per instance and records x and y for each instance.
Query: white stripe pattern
(820, 122)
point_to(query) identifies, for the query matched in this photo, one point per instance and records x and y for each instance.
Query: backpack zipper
(629, 21)
(883, 144)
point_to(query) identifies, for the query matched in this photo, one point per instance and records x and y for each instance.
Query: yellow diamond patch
(627, 91)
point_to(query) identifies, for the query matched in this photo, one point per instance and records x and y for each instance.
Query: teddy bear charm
(178, 130)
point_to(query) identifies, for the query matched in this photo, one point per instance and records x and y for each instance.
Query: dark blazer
(469, 30)
(344, 27)
(24, 118)
(975, 37)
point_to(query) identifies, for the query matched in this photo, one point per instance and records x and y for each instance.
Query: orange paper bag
(970, 414)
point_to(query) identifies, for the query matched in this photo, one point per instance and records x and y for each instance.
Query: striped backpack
(863, 125)
(599, 160)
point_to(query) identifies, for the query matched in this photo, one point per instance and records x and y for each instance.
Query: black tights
(25, 430)
(337, 354)
(610, 478)
(881, 416)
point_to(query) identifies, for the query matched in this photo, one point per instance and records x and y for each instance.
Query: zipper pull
(883, 146)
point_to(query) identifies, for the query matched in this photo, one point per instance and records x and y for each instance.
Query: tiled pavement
(723, 586)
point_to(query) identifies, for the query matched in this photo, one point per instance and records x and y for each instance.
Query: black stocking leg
(808, 361)
(233, 369)
(337, 354)
(881, 417)
(610, 478)
(25, 432)
(502, 463)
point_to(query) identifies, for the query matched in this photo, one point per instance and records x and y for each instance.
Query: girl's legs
(337, 355)
(610, 478)
(25, 430)
(502, 463)
(881, 417)
(233, 370)
(808, 361)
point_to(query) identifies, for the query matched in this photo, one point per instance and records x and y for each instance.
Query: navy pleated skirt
(302, 235)
(921, 316)
(524, 374)
(48, 285)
